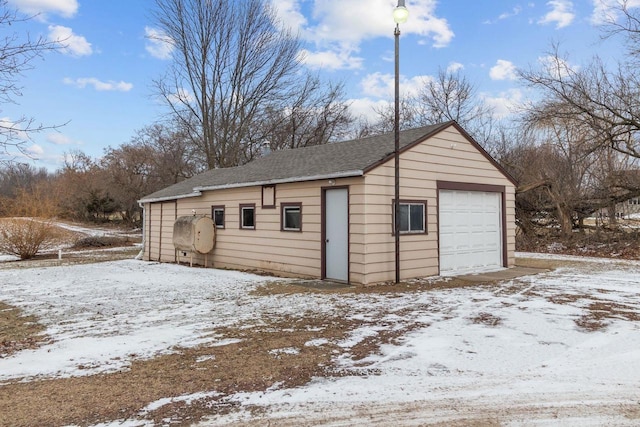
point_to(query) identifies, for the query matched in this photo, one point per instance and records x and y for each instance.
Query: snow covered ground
(557, 348)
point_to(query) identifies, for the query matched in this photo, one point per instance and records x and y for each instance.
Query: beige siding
(146, 230)
(448, 156)
(265, 248)
(159, 231)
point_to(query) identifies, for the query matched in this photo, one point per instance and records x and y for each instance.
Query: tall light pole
(400, 15)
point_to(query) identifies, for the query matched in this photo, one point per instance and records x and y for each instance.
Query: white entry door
(470, 231)
(336, 234)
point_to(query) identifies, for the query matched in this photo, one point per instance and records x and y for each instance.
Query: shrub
(29, 227)
(25, 237)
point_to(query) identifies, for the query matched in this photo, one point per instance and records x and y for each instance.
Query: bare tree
(170, 157)
(17, 51)
(448, 96)
(604, 101)
(156, 157)
(83, 188)
(451, 96)
(562, 165)
(386, 117)
(127, 172)
(231, 60)
(563, 178)
(314, 114)
(20, 176)
(623, 19)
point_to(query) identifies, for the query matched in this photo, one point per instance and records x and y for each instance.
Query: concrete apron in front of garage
(476, 278)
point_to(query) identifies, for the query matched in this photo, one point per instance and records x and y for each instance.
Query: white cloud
(51, 160)
(34, 150)
(64, 8)
(366, 107)
(515, 11)
(72, 44)
(159, 45)
(98, 84)
(609, 10)
(12, 130)
(561, 13)
(557, 67)
(503, 70)
(330, 59)
(183, 95)
(379, 85)
(58, 138)
(454, 67)
(505, 103)
(288, 12)
(505, 15)
(339, 26)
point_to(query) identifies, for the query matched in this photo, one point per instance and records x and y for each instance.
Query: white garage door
(470, 231)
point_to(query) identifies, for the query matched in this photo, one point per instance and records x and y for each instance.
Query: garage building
(327, 211)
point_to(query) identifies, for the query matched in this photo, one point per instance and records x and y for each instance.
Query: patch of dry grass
(599, 313)
(486, 319)
(18, 332)
(93, 242)
(271, 354)
(280, 351)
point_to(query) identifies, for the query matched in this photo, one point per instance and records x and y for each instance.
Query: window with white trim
(217, 213)
(291, 216)
(412, 217)
(248, 216)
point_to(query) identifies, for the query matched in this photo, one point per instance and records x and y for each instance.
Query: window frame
(410, 203)
(283, 211)
(213, 215)
(242, 208)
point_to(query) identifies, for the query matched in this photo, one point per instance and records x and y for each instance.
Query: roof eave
(336, 175)
(197, 191)
(167, 198)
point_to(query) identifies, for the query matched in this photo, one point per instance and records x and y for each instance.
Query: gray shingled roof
(339, 159)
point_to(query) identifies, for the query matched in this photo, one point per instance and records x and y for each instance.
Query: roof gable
(464, 133)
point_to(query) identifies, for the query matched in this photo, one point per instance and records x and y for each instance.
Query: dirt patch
(287, 287)
(486, 319)
(371, 345)
(599, 313)
(286, 352)
(280, 352)
(19, 332)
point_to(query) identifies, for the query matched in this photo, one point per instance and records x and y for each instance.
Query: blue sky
(100, 85)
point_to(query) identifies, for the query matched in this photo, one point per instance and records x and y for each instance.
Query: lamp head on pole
(400, 13)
